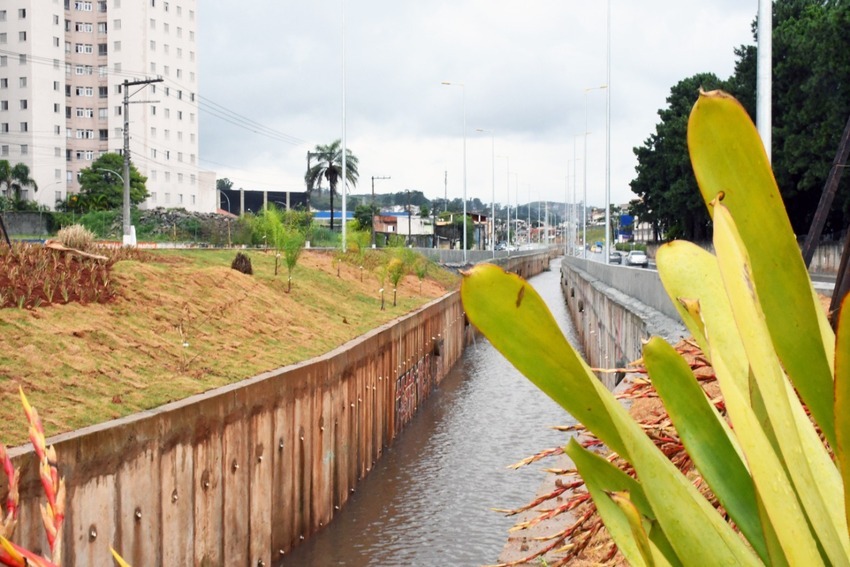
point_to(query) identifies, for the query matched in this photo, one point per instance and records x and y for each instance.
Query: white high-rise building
(62, 68)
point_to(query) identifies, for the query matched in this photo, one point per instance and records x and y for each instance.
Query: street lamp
(508, 183)
(493, 178)
(223, 194)
(584, 207)
(463, 100)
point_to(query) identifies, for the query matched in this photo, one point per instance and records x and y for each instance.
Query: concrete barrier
(611, 323)
(242, 474)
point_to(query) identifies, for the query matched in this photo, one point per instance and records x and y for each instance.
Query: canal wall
(242, 474)
(614, 309)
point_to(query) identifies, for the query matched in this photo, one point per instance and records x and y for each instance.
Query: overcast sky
(525, 67)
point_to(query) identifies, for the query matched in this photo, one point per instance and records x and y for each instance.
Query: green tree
(329, 166)
(292, 241)
(14, 178)
(101, 189)
(363, 216)
(667, 191)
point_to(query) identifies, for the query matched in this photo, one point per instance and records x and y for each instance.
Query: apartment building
(63, 65)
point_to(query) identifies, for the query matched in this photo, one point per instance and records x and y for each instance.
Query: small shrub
(76, 236)
(242, 263)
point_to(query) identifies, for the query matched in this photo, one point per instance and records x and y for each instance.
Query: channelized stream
(428, 502)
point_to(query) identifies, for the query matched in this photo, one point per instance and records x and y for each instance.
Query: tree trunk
(332, 207)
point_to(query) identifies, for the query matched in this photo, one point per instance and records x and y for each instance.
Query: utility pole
(374, 177)
(129, 239)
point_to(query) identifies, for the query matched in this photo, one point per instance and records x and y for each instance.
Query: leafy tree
(363, 216)
(329, 166)
(14, 178)
(223, 184)
(293, 244)
(101, 190)
(668, 196)
(395, 271)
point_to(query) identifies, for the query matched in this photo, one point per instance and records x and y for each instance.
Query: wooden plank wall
(242, 474)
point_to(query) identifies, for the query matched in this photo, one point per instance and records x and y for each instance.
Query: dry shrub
(242, 263)
(76, 236)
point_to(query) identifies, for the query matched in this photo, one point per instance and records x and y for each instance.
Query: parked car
(615, 258)
(637, 258)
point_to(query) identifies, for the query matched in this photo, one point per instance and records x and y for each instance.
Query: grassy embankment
(184, 323)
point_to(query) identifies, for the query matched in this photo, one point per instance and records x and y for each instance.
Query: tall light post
(223, 194)
(344, 151)
(493, 179)
(584, 207)
(463, 91)
(508, 183)
(607, 251)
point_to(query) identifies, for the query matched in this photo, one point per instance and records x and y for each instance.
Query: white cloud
(525, 66)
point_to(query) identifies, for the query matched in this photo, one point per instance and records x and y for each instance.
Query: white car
(637, 258)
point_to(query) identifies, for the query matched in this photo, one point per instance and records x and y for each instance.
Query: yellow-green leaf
(729, 158)
(814, 478)
(706, 437)
(842, 399)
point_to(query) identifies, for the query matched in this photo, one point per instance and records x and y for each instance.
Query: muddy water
(429, 501)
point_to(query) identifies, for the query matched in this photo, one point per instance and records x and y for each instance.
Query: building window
(103, 92)
(2, 37)
(116, 24)
(25, 149)
(101, 27)
(2, 15)
(23, 104)
(4, 60)
(101, 6)
(22, 36)
(84, 6)
(4, 105)
(4, 150)
(101, 49)
(22, 82)
(117, 46)
(153, 132)
(153, 45)
(22, 13)
(55, 41)
(4, 83)
(24, 127)
(22, 58)
(4, 127)
(103, 113)
(153, 24)
(57, 108)
(85, 27)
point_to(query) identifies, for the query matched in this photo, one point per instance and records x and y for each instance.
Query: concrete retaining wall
(242, 474)
(611, 323)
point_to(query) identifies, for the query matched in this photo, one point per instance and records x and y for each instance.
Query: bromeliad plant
(783, 372)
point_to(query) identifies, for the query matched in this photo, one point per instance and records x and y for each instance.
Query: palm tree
(329, 167)
(15, 178)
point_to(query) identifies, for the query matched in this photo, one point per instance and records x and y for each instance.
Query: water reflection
(429, 500)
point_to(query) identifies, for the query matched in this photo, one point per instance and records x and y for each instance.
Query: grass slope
(182, 324)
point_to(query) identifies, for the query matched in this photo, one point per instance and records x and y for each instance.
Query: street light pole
(463, 99)
(607, 251)
(493, 179)
(584, 204)
(508, 184)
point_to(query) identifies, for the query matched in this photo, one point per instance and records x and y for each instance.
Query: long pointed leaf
(706, 437)
(842, 399)
(815, 479)
(728, 157)
(517, 322)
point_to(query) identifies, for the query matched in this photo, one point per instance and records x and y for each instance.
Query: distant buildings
(62, 65)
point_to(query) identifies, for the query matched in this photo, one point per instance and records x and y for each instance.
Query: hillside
(182, 323)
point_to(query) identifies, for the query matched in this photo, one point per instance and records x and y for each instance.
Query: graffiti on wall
(413, 387)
